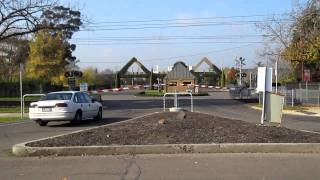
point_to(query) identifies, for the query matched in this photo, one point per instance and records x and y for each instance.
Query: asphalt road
(119, 107)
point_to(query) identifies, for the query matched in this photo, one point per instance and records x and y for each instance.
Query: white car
(71, 106)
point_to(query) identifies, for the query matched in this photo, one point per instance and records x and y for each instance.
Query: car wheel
(42, 123)
(77, 118)
(99, 115)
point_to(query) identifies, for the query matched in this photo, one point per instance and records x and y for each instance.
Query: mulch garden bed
(172, 128)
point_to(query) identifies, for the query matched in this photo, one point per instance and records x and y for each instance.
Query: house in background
(179, 79)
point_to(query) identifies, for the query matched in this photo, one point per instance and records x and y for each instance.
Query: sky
(161, 32)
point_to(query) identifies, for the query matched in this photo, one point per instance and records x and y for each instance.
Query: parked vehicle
(71, 106)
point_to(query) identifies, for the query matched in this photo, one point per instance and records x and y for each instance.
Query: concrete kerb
(23, 150)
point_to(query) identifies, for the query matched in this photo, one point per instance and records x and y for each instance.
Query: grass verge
(12, 110)
(9, 119)
(286, 107)
(18, 98)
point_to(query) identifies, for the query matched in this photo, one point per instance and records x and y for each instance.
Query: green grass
(9, 119)
(12, 110)
(286, 107)
(18, 98)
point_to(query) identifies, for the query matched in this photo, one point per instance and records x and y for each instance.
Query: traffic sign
(72, 83)
(73, 74)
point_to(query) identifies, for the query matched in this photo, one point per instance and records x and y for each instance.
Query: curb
(289, 112)
(23, 150)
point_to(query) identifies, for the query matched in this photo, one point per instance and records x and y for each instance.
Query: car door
(85, 106)
(78, 104)
(91, 106)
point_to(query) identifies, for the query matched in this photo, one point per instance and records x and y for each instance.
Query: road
(119, 107)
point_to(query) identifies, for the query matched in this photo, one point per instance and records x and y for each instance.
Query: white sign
(264, 79)
(196, 90)
(84, 87)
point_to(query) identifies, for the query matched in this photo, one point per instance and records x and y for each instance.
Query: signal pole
(240, 63)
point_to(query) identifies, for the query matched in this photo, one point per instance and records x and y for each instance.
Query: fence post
(292, 97)
(319, 95)
(307, 95)
(300, 93)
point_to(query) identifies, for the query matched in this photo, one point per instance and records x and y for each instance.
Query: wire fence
(295, 94)
(305, 94)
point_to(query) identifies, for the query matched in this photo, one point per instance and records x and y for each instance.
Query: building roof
(180, 71)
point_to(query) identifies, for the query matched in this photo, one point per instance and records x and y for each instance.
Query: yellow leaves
(46, 58)
(89, 76)
(303, 51)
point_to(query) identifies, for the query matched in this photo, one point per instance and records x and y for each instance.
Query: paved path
(189, 166)
(166, 167)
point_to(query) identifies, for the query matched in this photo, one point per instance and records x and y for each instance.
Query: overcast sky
(161, 32)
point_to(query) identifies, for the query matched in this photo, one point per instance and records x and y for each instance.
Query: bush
(12, 89)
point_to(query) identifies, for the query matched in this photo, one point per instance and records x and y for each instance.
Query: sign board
(196, 90)
(264, 79)
(72, 83)
(156, 69)
(84, 87)
(306, 75)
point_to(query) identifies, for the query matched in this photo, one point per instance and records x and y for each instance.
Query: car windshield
(57, 96)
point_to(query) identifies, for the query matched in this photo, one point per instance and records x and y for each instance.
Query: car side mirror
(93, 100)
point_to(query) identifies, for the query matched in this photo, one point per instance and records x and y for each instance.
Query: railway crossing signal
(69, 74)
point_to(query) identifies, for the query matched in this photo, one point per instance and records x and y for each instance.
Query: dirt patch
(165, 128)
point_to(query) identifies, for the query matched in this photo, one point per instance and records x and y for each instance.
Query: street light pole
(276, 74)
(21, 94)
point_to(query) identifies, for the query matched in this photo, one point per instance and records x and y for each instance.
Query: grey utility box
(274, 106)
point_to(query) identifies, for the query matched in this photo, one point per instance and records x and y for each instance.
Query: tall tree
(13, 52)
(304, 45)
(46, 59)
(222, 79)
(65, 21)
(21, 17)
(294, 37)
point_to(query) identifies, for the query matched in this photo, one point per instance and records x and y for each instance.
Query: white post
(240, 73)
(250, 86)
(21, 97)
(276, 75)
(292, 97)
(307, 95)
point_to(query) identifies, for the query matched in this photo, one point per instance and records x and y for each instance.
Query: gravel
(166, 128)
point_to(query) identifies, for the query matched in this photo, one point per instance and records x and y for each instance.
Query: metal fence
(303, 94)
(295, 94)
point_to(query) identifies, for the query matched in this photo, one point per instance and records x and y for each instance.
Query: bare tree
(21, 17)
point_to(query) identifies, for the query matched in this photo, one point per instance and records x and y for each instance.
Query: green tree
(222, 79)
(65, 21)
(46, 58)
(13, 52)
(89, 76)
(231, 76)
(304, 45)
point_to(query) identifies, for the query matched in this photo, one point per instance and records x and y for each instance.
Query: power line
(169, 43)
(186, 19)
(137, 27)
(188, 23)
(163, 38)
(172, 57)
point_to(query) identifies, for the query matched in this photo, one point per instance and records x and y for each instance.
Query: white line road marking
(310, 131)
